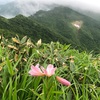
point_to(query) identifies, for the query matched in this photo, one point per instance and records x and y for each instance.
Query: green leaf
(23, 40)
(10, 67)
(37, 94)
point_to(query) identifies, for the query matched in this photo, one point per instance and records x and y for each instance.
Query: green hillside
(92, 14)
(61, 20)
(22, 26)
(59, 24)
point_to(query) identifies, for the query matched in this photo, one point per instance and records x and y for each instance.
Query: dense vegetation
(21, 25)
(60, 20)
(92, 14)
(55, 29)
(55, 25)
(80, 68)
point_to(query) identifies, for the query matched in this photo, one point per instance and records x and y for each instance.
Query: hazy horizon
(27, 7)
(92, 5)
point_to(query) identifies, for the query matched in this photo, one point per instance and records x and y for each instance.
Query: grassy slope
(80, 68)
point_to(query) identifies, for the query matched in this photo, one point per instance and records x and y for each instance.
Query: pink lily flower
(36, 71)
(63, 81)
(49, 71)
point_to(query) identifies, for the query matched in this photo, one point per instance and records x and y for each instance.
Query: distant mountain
(77, 28)
(92, 14)
(9, 10)
(26, 8)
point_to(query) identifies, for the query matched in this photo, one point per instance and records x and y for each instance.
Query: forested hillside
(63, 20)
(59, 24)
(22, 26)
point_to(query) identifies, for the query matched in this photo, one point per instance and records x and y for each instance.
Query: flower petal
(63, 81)
(36, 71)
(50, 70)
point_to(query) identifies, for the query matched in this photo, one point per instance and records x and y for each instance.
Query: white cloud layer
(93, 5)
(28, 7)
(83, 4)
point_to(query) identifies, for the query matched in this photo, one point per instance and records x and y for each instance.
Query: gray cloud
(28, 7)
(31, 6)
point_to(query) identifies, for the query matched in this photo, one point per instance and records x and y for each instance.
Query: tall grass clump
(81, 69)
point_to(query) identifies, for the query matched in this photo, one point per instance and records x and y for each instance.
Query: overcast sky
(5, 1)
(93, 5)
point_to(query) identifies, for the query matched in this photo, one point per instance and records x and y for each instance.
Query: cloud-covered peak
(29, 7)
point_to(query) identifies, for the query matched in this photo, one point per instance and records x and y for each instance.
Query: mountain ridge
(27, 8)
(24, 26)
(61, 19)
(58, 24)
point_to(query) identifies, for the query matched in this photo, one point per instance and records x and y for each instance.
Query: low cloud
(29, 7)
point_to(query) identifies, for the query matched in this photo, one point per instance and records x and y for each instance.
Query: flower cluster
(49, 71)
(36, 71)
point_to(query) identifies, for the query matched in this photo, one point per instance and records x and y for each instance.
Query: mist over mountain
(9, 10)
(30, 7)
(94, 15)
(14, 8)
